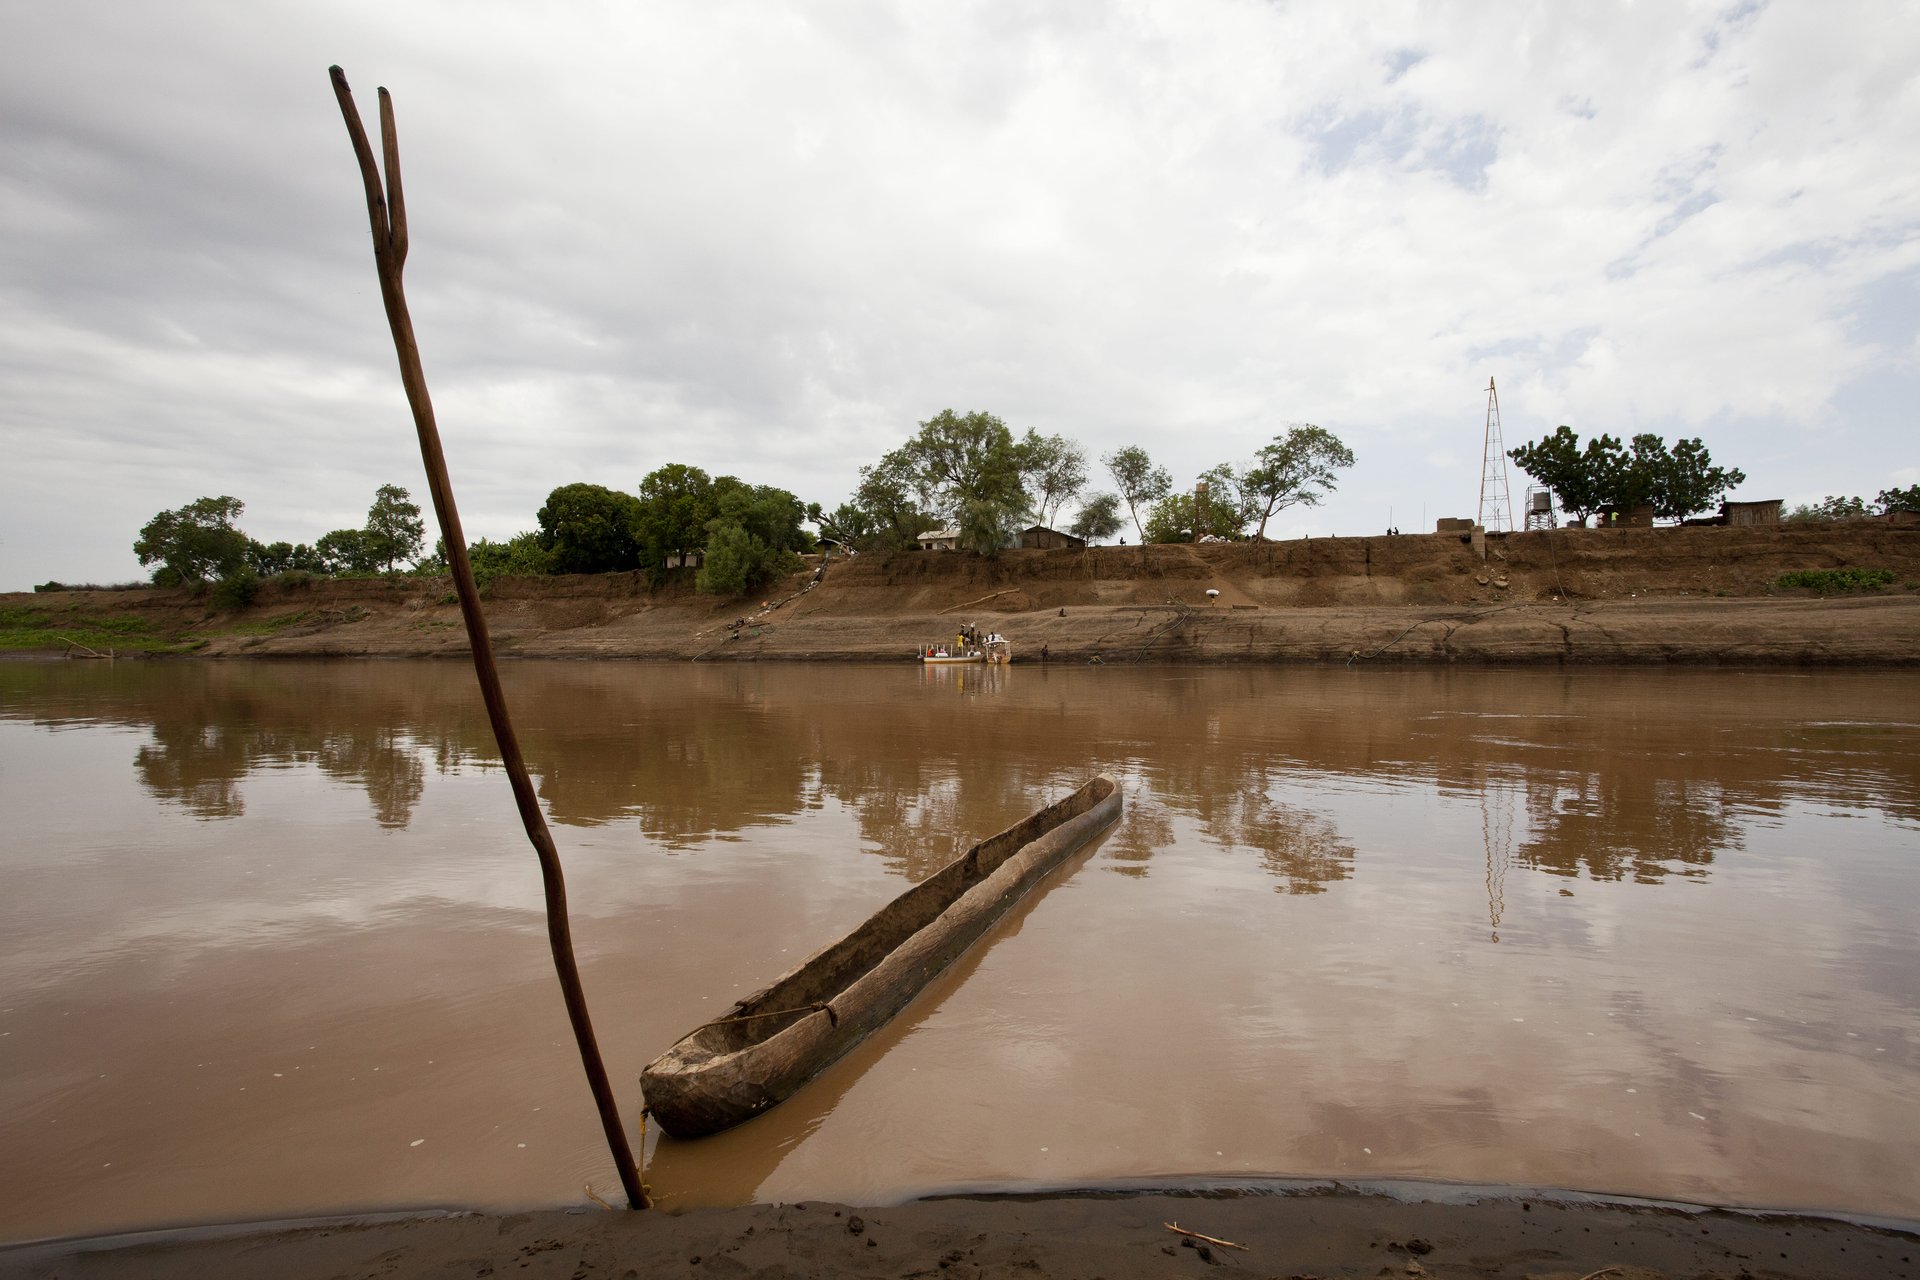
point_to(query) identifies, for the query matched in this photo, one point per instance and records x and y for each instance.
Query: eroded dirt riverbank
(1654, 596)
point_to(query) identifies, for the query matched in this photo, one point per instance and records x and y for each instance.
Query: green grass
(29, 629)
(1828, 581)
(61, 638)
(265, 627)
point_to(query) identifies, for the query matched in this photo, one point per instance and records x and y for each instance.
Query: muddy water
(270, 942)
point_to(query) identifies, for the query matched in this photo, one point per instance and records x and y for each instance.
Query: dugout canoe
(768, 1045)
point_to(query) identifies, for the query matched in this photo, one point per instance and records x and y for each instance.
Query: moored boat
(934, 655)
(771, 1043)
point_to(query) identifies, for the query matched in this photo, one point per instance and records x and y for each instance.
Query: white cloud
(769, 242)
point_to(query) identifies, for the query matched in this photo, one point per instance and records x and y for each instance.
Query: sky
(770, 240)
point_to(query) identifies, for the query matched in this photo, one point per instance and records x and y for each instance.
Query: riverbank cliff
(1569, 596)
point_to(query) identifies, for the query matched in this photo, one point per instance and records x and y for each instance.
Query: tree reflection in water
(1632, 779)
(1147, 830)
(1627, 823)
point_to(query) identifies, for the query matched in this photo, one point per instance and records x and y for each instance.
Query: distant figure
(1043, 653)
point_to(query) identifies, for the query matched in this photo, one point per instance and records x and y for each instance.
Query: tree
(676, 502)
(394, 530)
(1222, 505)
(1056, 471)
(1688, 481)
(1098, 519)
(1830, 508)
(1171, 520)
(1891, 500)
(268, 559)
(589, 528)
(520, 556)
(846, 524)
(345, 551)
(194, 543)
(888, 504)
(1139, 481)
(1580, 479)
(1296, 469)
(1675, 482)
(968, 470)
(752, 539)
(1213, 508)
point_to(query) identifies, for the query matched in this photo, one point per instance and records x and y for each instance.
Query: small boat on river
(934, 655)
(768, 1045)
(968, 647)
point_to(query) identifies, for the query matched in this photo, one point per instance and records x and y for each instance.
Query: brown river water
(271, 940)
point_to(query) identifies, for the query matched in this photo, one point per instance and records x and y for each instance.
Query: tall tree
(394, 530)
(676, 501)
(967, 469)
(589, 528)
(1296, 469)
(1139, 481)
(1056, 471)
(194, 543)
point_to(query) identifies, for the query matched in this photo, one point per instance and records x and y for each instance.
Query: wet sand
(1321, 1232)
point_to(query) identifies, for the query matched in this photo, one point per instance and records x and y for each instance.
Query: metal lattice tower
(1496, 504)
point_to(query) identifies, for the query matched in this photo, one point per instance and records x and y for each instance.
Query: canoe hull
(732, 1069)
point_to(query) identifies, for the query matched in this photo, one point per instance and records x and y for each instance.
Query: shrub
(237, 590)
(1828, 581)
(51, 586)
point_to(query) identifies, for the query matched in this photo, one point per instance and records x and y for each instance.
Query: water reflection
(328, 924)
(1635, 792)
(1625, 824)
(1300, 848)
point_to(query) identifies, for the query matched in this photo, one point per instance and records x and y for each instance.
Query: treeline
(1884, 503)
(962, 472)
(969, 474)
(742, 536)
(966, 474)
(201, 542)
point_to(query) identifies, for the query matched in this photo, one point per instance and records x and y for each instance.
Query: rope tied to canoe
(818, 1006)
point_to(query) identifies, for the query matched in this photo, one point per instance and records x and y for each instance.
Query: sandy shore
(1319, 1232)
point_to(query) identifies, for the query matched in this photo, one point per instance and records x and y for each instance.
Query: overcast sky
(770, 240)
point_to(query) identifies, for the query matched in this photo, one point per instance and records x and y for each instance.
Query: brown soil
(1327, 1233)
(1701, 595)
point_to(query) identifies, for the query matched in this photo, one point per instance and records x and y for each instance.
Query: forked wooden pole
(387, 212)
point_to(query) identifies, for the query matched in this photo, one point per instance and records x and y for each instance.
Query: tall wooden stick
(387, 212)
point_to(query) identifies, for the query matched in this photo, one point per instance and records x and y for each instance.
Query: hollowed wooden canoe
(771, 1043)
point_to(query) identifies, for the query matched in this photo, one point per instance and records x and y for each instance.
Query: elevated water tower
(1540, 512)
